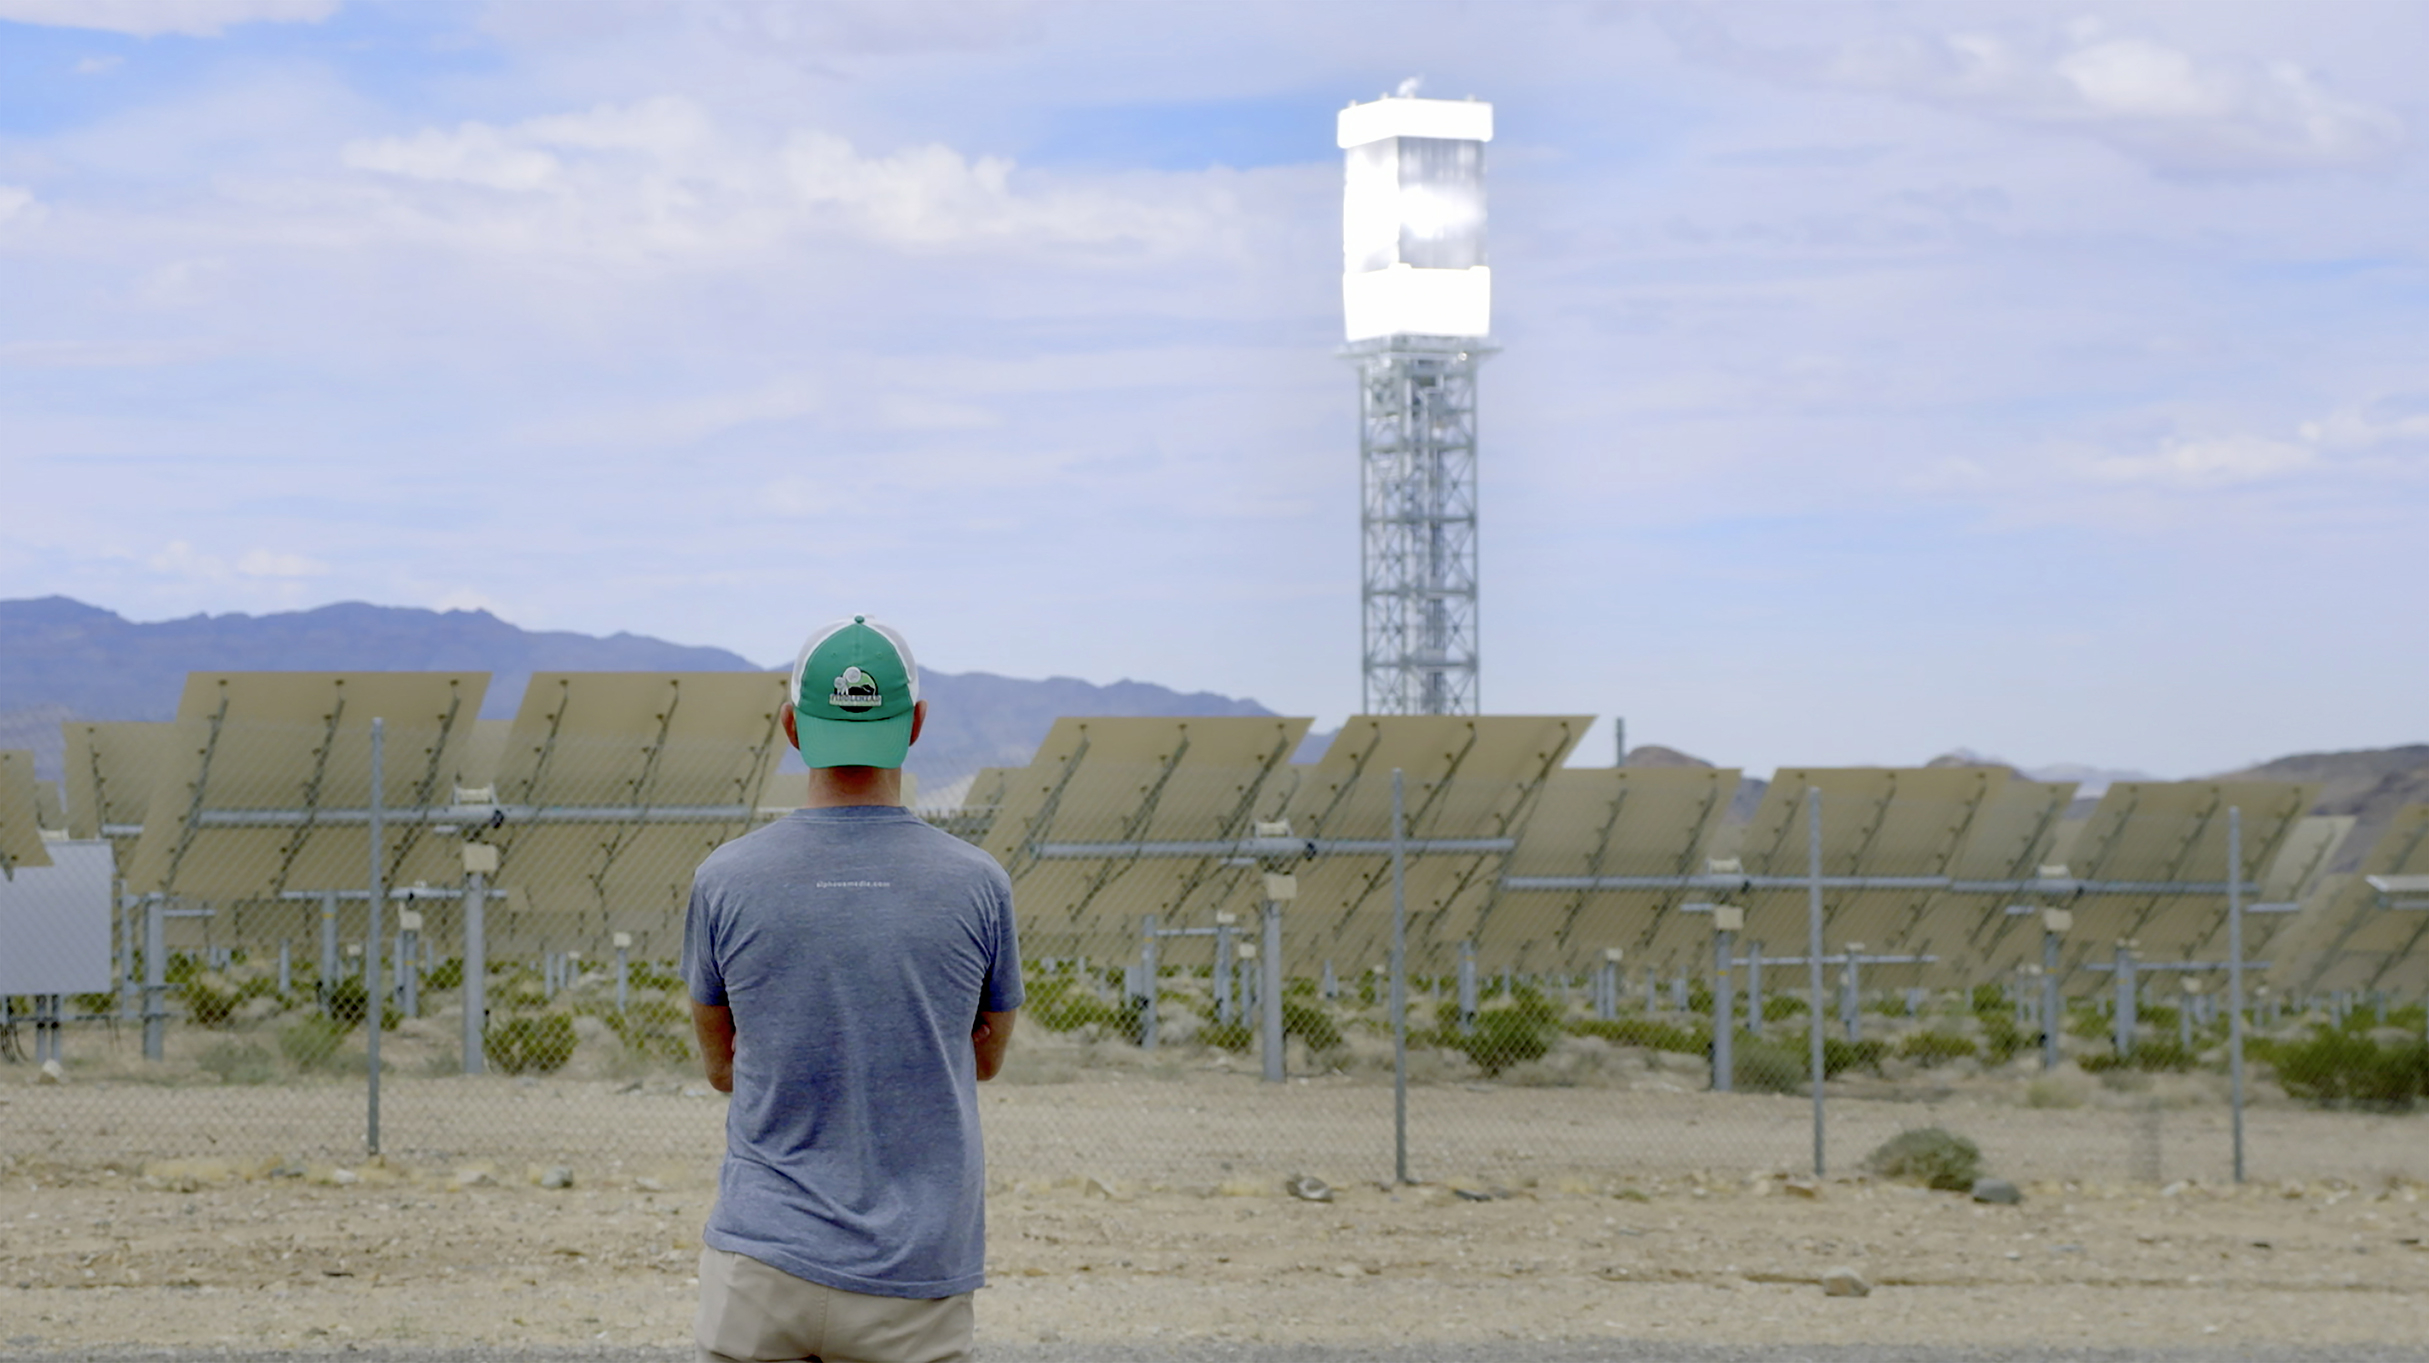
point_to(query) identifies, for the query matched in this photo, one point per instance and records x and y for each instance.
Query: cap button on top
(860, 619)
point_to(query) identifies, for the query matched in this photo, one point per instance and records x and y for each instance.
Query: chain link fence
(1607, 979)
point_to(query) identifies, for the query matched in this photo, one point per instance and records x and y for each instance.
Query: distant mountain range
(61, 659)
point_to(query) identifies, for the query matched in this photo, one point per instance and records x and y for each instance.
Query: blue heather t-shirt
(857, 947)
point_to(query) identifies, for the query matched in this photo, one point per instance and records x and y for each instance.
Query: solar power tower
(1416, 298)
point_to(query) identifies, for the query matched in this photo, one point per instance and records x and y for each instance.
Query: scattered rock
(1845, 1282)
(51, 1073)
(1308, 1188)
(633, 1087)
(1092, 1186)
(1348, 1271)
(558, 1177)
(1802, 1187)
(650, 1185)
(2177, 1189)
(1997, 1191)
(475, 1178)
(343, 1177)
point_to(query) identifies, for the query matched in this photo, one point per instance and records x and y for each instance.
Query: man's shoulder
(778, 843)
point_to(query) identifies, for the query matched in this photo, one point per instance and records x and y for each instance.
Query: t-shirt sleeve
(703, 973)
(1003, 991)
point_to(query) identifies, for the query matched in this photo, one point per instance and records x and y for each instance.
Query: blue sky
(1876, 378)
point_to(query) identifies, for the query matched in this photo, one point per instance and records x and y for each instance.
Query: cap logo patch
(855, 690)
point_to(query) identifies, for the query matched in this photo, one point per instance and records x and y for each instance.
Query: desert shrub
(1780, 1007)
(238, 1062)
(2335, 1068)
(2002, 1039)
(1987, 1001)
(2151, 1054)
(1531, 1004)
(651, 975)
(1501, 1038)
(209, 1000)
(1936, 1048)
(447, 974)
(310, 1042)
(653, 1030)
(1311, 1025)
(1644, 1032)
(94, 1003)
(530, 1041)
(180, 968)
(1230, 1036)
(2086, 1023)
(349, 1004)
(1760, 1066)
(1931, 1155)
(1839, 1056)
(1059, 1005)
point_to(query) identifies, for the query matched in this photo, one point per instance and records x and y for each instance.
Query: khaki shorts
(751, 1313)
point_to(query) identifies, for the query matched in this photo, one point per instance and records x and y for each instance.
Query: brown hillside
(2370, 784)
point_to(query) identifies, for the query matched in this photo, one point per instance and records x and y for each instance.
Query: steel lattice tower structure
(1417, 523)
(1416, 300)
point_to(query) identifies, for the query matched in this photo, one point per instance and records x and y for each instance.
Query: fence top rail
(2053, 887)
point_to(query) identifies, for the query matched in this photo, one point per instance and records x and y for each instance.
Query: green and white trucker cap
(852, 693)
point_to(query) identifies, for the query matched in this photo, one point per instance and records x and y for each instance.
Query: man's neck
(838, 787)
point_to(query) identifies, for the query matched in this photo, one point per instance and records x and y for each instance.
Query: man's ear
(919, 718)
(792, 734)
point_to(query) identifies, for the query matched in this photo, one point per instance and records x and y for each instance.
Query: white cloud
(2210, 461)
(17, 204)
(2175, 111)
(95, 66)
(660, 175)
(179, 558)
(151, 18)
(474, 154)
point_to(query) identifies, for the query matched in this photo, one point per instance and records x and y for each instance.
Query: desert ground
(1146, 1202)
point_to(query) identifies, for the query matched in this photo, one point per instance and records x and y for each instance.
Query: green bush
(2151, 1054)
(650, 975)
(311, 1042)
(1644, 1032)
(447, 974)
(1936, 1048)
(238, 1062)
(2002, 1039)
(1059, 1005)
(349, 1004)
(1781, 1007)
(209, 1002)
(527, 1042)
(1530, 1003)
(1501, 1038)
(2334, 1068)
(1311, 1025)
(1839, 1056)
(1931, 1156)
(1761, 1066)
(1229, 1036)
(653, 1030)
(90, 1004)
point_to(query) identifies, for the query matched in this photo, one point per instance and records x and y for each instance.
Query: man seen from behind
(854, 974)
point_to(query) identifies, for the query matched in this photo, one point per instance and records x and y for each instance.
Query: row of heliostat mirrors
(606, 789)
